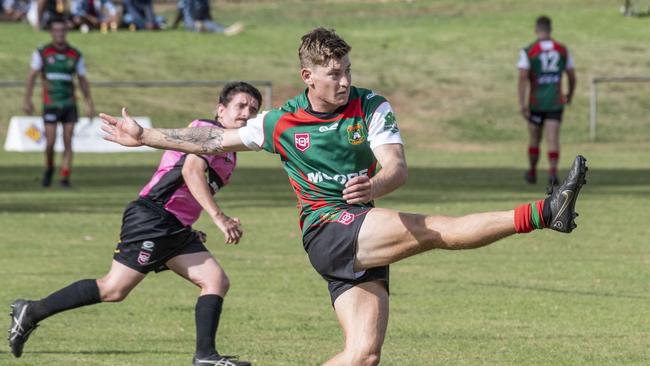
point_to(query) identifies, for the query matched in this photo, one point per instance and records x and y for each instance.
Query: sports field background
(448, 68)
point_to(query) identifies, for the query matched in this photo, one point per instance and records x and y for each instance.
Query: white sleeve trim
(37, 61)
(379, 131)
(81, 67)
(252, 135)
(523, 63)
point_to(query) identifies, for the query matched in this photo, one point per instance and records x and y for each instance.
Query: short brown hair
(543, 24)
(321, 45)
(233, 88)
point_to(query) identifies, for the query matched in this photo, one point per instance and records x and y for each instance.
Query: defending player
(157, 235)
(58, 62)
(331, 139)
(541, 65)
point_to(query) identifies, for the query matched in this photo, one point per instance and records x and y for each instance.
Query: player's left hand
(230, 227)
(358, 190)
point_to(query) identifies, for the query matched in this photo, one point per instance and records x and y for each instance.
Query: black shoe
(47, 178)
(552, 180)
(563, 198)
(217, 360)
(65, 183)
(530, 177)
(21, 326)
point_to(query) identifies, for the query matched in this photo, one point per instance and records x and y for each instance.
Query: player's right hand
(125, 131)
(525, 112)
(230, 227)
(28, 108)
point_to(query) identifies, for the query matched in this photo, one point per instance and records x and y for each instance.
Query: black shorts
(151, 236)
(332, 249)
(538, 117)
(151, 255)
(64, 115)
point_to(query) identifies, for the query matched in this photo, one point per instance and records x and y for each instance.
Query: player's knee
(364, 358)
(217, 282)
(111, 293)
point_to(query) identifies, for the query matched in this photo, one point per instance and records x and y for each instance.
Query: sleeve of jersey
(523, 63)
(383, 127)
(81, 67)
(37, 62)
(252, 135)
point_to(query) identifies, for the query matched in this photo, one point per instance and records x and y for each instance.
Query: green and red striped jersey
(546, 61)
(321, 152)
(58, 67)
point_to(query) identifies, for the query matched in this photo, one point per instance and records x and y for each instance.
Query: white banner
(26, 133)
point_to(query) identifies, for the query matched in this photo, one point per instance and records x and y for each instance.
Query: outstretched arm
(392, 175)
(195, 140)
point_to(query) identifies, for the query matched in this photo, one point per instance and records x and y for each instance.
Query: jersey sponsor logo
(302, 141)
(356, 135)
(346, 218)
(548, 79)
(371, 95)
(58, 76)
(390, 123)
(148, 245)
(331, 127)
(143, 257)
(317, 177)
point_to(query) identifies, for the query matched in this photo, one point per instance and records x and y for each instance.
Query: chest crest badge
(356, 135)
(302, 141)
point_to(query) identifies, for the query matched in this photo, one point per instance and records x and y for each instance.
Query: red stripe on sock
(533, 150)
(523, 223)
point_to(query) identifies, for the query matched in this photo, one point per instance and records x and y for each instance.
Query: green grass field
(448, 68)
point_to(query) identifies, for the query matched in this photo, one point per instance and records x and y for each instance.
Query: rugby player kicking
(331, 140)
(157, 235)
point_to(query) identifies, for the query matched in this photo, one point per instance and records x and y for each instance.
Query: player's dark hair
(321, 45)
(543, 24)
(54, 20)
(233, 88)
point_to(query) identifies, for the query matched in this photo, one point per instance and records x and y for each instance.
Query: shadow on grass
(561, 291)
(109, 352)
(108, 189)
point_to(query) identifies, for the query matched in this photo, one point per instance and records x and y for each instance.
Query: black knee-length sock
(207, 313)
(80, 293)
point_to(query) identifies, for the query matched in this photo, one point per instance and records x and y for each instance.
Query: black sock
(80, 293)
(546, 212)
(207, 313)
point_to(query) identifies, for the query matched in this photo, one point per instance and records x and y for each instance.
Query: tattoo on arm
(196, 139)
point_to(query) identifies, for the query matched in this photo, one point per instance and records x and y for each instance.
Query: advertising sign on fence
(26, 133)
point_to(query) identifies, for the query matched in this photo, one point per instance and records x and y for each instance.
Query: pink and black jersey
(168, 190)
(166, 206)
